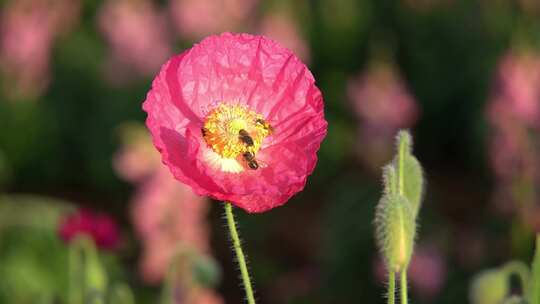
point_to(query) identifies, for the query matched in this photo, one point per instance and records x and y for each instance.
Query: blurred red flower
(100, 227)
(237, 118)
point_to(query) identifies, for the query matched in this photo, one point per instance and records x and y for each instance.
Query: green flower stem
(239, 253)
(391, 287)
(75, 292)
(403, 281)
(401, 190)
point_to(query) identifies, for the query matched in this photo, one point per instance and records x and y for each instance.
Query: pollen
(233, 130)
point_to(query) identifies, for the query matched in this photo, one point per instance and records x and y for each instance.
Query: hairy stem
(239, 253)
(391, 287)
(403, 281)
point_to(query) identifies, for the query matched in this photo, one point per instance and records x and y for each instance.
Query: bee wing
(262, 164)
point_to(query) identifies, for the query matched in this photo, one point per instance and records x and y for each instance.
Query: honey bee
(250, 159)
(263, 123)
(244, 137)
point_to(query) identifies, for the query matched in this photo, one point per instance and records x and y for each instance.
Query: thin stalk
(239, 253)
(391, 287)
(403, 281)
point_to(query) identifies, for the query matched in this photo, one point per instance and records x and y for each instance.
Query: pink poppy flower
(237, 118)
(99, 227)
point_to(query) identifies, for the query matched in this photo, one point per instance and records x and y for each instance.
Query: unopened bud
(395, 229)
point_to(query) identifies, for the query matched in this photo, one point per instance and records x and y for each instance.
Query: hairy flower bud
(395, 229)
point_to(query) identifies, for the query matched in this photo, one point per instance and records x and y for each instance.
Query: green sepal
(409, 171)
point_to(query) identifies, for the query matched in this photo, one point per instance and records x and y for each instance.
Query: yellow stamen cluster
(227, 128)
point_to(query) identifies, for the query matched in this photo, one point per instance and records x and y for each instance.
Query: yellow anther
(231, 130)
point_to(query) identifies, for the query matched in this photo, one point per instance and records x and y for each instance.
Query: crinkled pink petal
(247, 70)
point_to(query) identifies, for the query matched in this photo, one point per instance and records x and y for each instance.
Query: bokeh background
(75, 158)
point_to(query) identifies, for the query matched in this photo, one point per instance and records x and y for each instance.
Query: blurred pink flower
(137, 159)
(381, 98)
(199, 18)
(167, 214)
(383, 105)
(137, 35)
(283, 28)
(514, 115)
(517, 89)
(100, 227)
(426, 273)
(27, 32)
(206, 296)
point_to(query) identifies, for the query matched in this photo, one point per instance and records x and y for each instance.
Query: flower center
(235, 132)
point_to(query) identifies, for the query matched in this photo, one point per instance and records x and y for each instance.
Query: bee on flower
(238, 118)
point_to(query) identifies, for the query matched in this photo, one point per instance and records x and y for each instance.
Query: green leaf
(86, 268)
(395, 229)
(533, 293)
